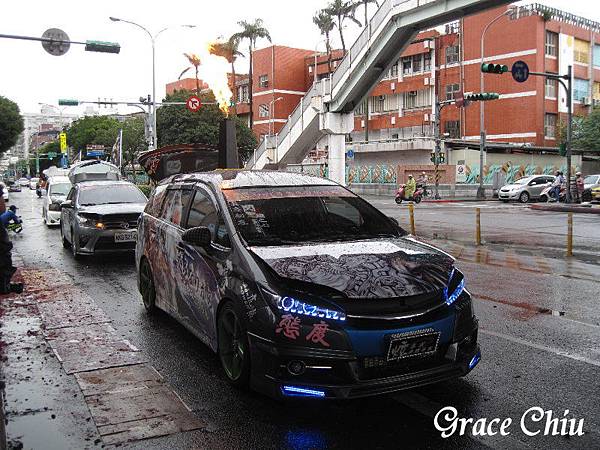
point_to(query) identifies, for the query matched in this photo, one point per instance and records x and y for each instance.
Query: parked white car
(4, 191)
(23, 182)
(33, 183)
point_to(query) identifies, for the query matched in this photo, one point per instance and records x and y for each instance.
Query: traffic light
(68, 102)
(562, 149)
(102, 47)
(482, 96)
(442, 158)
(494, 68)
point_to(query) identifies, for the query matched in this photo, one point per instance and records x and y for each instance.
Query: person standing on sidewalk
(7, 270)
(557, 185)
(580, 186)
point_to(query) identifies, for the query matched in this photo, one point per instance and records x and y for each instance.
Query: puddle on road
(528, 310)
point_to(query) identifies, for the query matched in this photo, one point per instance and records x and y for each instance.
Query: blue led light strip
(298, 391)
(454, 296)
(475, 360)
(291, 305)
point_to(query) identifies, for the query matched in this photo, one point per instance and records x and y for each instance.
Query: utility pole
(438, 142)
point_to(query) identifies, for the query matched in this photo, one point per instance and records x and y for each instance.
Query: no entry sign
(193, 103)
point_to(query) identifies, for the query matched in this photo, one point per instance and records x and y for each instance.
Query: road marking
(545, 348)
(430, 408)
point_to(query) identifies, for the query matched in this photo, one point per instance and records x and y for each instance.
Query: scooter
(548, 196)
(416, 197)
(15, 227)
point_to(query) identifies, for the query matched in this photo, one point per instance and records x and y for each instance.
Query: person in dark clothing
(10, 214)
(7, 270)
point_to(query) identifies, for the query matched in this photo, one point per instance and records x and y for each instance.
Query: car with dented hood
(301, 287)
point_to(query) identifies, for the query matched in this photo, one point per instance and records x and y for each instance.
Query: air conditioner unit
(596, 102)
(426, 117)
(393, 120)
(393, 86)
(362, 123)
(426, 81)
(587, 101)
(427, 43)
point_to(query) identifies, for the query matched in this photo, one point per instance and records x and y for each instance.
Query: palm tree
(326, 24)
(342, 10)
(195, 63)
(229, 50)
(252, 31)
(365, 3)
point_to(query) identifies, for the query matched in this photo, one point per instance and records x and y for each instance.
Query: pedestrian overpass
(327, 109)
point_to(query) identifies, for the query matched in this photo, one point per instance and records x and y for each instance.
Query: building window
(451, 90)
(417, 99)
(263, 81)
(596, 91)
(427, 62)
(596, 56)
(407, 65)
(551, 43)
(263, 110)
(582, 52)
(378, 103)
(243, 94)
(550, 126)
(452, 128)
(394, 71)
(452, 54)
(581, 89)
(416, 63)
(551, 88)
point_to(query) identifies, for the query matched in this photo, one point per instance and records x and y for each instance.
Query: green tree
(325, 23)
(251, 31)
(177, 125)
(586, 134)
(342, 10)
(99, 130)
(11, 124)
(134, 141)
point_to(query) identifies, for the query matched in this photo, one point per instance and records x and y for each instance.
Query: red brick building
(396, 123)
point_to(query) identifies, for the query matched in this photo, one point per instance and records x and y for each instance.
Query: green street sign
(102, 47)
(68, 102)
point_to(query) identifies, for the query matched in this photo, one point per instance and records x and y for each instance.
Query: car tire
(65, 242)
(398, 200)
(74, 250)
(524, 197)
(233, 347)
(147, 289)
(418, 199)
(543, 198)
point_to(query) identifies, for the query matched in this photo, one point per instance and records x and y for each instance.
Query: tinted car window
(156, 200)
(272, 216)
(174, 206)
(111, 194)
(203, 213)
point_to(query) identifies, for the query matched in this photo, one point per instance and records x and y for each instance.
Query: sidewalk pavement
(583, 209)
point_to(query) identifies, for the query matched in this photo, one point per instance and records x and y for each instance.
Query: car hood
(119, 208)
(379, 268)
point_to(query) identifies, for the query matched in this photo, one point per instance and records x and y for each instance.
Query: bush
(146, 189)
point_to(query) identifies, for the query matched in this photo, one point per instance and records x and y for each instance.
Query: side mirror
(197, 236)
(393, 219)
(66, 204)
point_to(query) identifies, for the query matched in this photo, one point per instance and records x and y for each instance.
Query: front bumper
(53, 217)
(513, 195)
(92, 241)
(346, 374)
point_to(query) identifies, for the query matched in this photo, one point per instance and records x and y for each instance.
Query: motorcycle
(416, 197)
(15, 227)
(548, 196)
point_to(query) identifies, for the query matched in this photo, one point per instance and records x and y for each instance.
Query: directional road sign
(193, 103)
(520, 71)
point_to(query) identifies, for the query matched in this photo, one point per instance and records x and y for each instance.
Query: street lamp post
(152, 37)
(272, 115)
(480, 190)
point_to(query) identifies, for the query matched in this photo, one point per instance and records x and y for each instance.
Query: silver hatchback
(525, 189)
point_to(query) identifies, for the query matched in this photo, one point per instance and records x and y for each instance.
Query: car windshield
(292, 215)
(60, 188)
(591, 179)
(523, 180)
(110, 194)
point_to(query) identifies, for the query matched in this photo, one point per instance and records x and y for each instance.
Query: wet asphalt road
(530, 359)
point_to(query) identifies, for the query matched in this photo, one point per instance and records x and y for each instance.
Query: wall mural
(511, 172)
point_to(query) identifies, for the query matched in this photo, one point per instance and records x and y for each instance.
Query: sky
(29, 76)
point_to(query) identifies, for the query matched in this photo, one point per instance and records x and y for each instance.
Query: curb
(458, 200)
(574, 209)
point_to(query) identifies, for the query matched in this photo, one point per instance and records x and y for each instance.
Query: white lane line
(545, 348)
(430, 408)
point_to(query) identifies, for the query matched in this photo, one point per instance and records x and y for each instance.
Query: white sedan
(33, 183)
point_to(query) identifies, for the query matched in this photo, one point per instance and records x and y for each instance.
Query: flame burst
(213, 70)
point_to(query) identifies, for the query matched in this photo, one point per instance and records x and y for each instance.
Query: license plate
(408, 345)
(126, 237)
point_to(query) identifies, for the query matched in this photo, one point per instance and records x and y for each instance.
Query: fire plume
(213, 69)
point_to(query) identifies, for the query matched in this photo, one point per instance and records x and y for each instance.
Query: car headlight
(86, 221)
(292, 305)
(451, 297)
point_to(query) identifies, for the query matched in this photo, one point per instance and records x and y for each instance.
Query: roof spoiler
(94, 170)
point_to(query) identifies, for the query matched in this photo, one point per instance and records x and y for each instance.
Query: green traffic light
(494, 68)
(102, 47)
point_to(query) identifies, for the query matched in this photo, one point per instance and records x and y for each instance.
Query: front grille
(117, 221)
(504, 190)
(108, 243)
